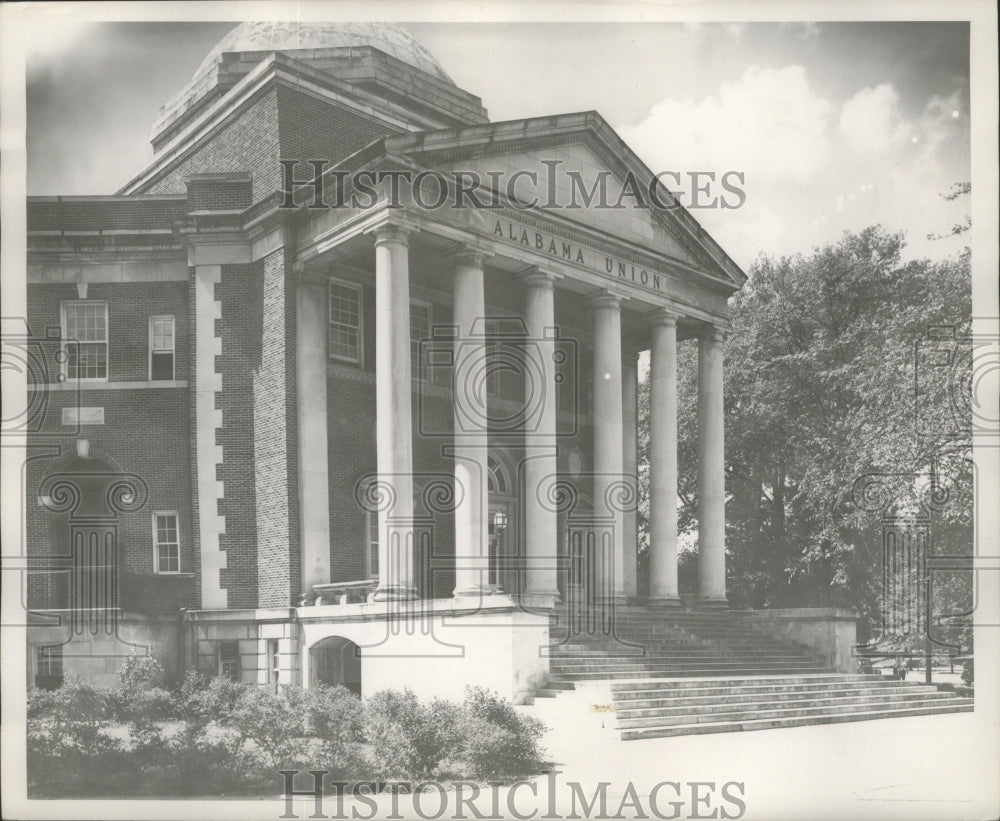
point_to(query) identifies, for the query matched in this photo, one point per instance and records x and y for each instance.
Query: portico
(515, 268)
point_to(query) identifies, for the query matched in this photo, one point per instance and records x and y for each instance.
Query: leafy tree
(821, 364)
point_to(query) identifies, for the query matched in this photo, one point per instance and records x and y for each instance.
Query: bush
(232, 738)
(265, 727)
(70, 749)
(498, 742)
(140, 695)
(75, 717)
(337, 717)
(969, 673)
(409, 739)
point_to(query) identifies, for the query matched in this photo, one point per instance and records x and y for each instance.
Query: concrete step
(748, 681)
(685, 713)
(734, 716)
(683, 671)
(956, 705)
(671, 662)
(616, 658)
(668, 698)
(687, 673)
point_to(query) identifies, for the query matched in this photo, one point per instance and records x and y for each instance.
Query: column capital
(663, 316)
(712, 333)
(604, 299)
(535, 277)
(394, 233)
(466, 254)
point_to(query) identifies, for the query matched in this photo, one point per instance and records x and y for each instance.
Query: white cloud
(872, 123)
(813, 167)
(769, 123)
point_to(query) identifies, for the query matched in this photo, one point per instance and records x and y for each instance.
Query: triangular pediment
(581, 173)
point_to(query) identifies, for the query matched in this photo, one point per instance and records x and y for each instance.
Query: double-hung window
(49, 666)
(371, 544)
(161, 348)
(420, 332)
(85, 339)
(344, 330)
(229, 659)
(166, 542)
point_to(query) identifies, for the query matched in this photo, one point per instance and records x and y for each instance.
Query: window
(371, 544)
(344, 336)
(420, 329)
(85, 325)
(273, 666)
(496, 477)
(49, 666)
(161, 348)
(229, 659)
(167, 545)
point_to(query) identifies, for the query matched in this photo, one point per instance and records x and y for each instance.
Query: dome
(267, 36)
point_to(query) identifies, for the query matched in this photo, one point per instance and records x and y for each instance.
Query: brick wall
(281, 123)
(240, 331)
(316, 129)
(249, 143)
(145, 431)
(275, 443)
(69, 213)
(130, 305)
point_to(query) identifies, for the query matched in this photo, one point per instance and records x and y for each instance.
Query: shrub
(73, 718)
(140, 695)
(498, 742)
(70, 749)
(336, 716)
(266, 727)
(969, 673)
(409, 739)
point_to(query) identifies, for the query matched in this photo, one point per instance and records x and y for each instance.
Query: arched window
(498, 480)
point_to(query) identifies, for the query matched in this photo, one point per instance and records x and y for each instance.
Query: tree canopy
(834, 378)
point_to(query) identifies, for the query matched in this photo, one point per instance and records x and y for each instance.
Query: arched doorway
(335, 661)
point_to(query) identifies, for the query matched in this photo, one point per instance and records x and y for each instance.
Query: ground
(928, 767)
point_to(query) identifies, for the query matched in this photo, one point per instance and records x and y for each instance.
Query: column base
(476, 592)
(540, 599)
(661, 601)
(711, 604)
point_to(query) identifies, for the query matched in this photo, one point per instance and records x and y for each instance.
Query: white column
(471, 428)
(663, 460)
(711, 471)
(608, 438)
(314, 483)
(630, 449)
(394, 437)
(540, 469)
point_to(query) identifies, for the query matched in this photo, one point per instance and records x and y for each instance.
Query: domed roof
(267, 36)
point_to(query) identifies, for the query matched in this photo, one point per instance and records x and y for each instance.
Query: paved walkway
(929, 767)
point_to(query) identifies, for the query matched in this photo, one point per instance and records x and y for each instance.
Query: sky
(835, 126)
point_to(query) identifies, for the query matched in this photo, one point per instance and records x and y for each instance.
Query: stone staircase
(677, 672)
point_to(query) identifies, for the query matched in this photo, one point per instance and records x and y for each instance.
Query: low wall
(439, 649)
(830, 632)
(97, 657)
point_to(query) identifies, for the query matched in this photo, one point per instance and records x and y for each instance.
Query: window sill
(95, 385)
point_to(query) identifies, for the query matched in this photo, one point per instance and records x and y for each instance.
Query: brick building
(310, 427)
